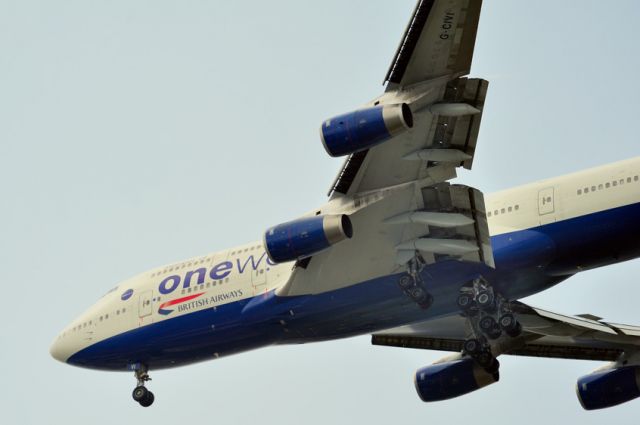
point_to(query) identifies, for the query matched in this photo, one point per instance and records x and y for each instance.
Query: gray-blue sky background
(136, 133)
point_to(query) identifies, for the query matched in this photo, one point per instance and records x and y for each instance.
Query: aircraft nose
(60, 349)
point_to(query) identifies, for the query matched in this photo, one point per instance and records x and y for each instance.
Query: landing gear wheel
(495, 332)
(507, 322)
(487, 323)
(140, 393)
(148, 400)
(418, 294)
(412, 283)
(472, 346)
(493, 367)
(486, 301)
(485, 359)
(465, 302)
(426, 302)
(405, 282)
(510, 325)
(490, 328)
(515, 332)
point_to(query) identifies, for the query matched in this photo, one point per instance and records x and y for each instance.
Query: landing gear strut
(140, 393)
(412, 284)
(489, 315)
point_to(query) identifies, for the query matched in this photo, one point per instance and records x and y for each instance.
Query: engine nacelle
(362, 129)
(305, 237)
(451, 379)
(609, 387)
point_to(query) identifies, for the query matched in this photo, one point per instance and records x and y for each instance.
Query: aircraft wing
(438, 41)
(545, 334)
(428, 68)
(397, 193)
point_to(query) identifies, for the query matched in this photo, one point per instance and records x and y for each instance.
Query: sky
(137, 133)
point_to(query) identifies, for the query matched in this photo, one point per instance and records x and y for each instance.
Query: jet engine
(443, 381)
(609, 387)
(365, 128)
(305, 237)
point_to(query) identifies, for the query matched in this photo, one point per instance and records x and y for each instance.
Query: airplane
(397, 251)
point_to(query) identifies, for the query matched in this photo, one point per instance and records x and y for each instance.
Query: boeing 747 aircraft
(397, 251)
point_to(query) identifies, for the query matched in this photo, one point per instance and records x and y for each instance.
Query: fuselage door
(144, 303)
(259, 275)
(546, 201)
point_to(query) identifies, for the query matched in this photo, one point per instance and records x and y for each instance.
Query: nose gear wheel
(140, 393)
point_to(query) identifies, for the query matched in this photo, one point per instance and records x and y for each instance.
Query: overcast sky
(137, 133)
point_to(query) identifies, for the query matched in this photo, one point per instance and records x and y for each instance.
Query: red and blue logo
(166, 311)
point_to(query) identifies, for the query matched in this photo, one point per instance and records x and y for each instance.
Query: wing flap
(573, 352)
(545, 334)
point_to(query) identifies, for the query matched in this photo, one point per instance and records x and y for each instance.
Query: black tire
(494, 367)
(148, 400)
(485, 358)
(508, 322)
(487, 323)
(513, 333)
(472, 346)
(465, 302)
(139, 393)
(418, 294)
(495, 332)
(427, 302)
(405, 282)
(486, 301)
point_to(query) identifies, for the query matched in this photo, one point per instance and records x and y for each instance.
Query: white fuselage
(220, 278)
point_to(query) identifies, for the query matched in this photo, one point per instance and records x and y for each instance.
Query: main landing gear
(140, 393)
(413, 285)
(490, 316)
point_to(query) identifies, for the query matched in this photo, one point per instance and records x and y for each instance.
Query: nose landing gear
(140, 393)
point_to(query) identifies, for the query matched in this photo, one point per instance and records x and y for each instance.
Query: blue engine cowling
(365, 128)
(305, 237)
(609, 387)
(451, 379)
